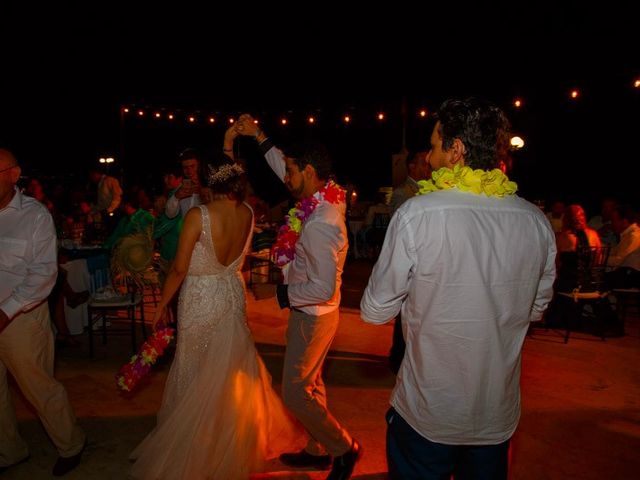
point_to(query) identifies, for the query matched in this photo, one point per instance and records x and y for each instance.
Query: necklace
(492, 183)
(284, 249)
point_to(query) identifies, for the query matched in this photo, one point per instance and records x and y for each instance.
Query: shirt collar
(16, 201)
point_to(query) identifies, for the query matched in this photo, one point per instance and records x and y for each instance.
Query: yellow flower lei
(493, 183)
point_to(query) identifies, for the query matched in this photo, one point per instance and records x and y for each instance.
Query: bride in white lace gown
(220, 418)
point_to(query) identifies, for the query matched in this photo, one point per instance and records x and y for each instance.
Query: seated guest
(575, 237)
(134, 220)
(623, 222)
(602, 222)
(556, 215)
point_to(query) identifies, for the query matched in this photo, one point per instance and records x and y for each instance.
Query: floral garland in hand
(284, 249)
(492, 183)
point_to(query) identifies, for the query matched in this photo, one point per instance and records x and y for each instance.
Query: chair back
(99, 267)
(592, 263)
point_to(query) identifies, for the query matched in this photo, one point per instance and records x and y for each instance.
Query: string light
(159, 112)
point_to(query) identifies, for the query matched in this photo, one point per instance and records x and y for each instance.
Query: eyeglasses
(8, 168)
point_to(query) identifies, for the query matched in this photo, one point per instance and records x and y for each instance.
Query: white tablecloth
(78, 278)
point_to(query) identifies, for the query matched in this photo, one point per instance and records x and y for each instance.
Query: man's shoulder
(29, 205)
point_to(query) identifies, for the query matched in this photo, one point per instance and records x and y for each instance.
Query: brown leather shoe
(303, 459)
(343, 465)
(65, 464)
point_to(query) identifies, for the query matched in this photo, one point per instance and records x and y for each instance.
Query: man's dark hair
(190, 154)
(482, 127)
(311, 153)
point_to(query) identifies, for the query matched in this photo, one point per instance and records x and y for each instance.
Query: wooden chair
(590, 289)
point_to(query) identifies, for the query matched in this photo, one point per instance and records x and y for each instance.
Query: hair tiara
(224, 172)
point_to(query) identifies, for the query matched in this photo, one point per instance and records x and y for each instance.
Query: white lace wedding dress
(220, 418)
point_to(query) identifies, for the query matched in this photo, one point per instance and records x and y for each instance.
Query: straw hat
(131, 257)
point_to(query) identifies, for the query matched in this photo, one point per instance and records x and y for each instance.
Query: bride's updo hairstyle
(225, 177)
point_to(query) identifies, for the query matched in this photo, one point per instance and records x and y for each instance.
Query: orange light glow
(283, 121)
(347, 119)
(141, 113)
(636, 84)
(192, 119)
(212, 120)
(311, 120)
(125, 110)
(231, 120)
(517, 103)
(575, 93)
(381, 116)
(157, 115)
(423, 113)
(170, 116)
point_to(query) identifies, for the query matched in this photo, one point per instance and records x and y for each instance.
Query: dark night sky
(67, 68)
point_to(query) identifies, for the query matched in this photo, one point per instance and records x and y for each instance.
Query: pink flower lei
(284, 249)
(131, 373)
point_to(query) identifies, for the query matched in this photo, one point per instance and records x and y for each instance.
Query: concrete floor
(580, 401)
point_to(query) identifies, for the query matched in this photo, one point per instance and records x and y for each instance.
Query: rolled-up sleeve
(41, 269)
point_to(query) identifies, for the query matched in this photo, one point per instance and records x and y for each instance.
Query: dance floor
(580, 400)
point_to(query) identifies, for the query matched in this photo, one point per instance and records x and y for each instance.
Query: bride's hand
(160, 314)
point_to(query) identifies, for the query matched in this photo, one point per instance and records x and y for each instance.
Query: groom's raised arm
(274, 156)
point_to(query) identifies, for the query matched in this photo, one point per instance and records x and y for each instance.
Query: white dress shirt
(629, 242)
(28, 264)
(314, 275)
(109, 194)
(182, 206)
(469, 273)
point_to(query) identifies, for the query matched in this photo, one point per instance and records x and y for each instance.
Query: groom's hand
(263, 290)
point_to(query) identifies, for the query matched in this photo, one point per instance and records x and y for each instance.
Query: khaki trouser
(308, 340)
(26, 350)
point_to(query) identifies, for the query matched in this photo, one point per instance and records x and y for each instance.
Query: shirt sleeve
(322, 242)
(274, 157)
(172, 207)
(389, 281)
(545, 286)
(42, 269)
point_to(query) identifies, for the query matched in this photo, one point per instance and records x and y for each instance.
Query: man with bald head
(28, 270)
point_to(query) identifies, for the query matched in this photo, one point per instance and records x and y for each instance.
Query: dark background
(68, 68)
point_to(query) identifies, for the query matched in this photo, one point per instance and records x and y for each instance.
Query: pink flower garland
(284, 249)
(131, 373)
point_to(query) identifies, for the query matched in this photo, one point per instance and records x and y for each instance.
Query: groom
(312, 256)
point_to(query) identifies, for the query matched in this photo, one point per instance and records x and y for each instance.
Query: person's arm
(322, 242)
(273, 155)
(229, 138)
(42, 270)
(628, 243)
(545, 286)
(389, 280)
(116, 194)
(188, 237)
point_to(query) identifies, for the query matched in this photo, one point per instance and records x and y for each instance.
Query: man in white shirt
(623, 223)
(469, 271)
(28, 271)
(311, 290)
(188, 194)
(109, 192)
